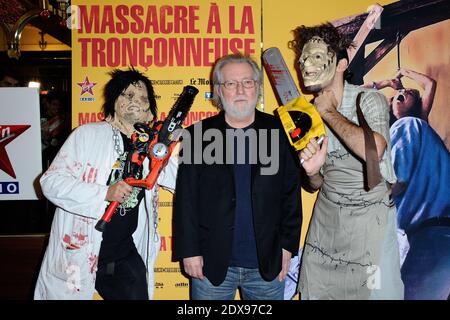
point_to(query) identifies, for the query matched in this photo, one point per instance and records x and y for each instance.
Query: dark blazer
(205, 201)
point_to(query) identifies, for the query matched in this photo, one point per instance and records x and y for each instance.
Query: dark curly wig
(337, 42)
(120, 80)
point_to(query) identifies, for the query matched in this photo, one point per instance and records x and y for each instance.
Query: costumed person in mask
(351, 249)
(84, 177)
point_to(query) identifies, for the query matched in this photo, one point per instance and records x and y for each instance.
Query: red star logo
(86, 86)
(7, 134)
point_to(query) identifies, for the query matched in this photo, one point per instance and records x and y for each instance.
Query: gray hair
(217, 76)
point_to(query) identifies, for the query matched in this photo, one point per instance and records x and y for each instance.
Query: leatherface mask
(130, 107)
(317, 65)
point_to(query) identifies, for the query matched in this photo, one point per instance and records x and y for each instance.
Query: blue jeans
(252, 285)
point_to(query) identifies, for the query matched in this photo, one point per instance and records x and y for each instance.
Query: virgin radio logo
(87, 89)
(9, 187)
(7, 134)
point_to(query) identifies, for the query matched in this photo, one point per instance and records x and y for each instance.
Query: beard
(240, 113)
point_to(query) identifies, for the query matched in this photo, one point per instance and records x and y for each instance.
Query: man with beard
(351, 249)
(237, 225)
(85, 176)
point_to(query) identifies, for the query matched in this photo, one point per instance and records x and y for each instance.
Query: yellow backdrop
(175, 44)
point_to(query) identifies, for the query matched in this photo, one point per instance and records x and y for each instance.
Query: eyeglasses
(232, 85)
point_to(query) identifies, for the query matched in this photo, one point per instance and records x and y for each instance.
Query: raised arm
(393, 83)
(427, 84)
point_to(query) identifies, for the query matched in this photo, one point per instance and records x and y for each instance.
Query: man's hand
(313, 156)
(119, 192)
(194, 266)
(286, 262)
(325, 102)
